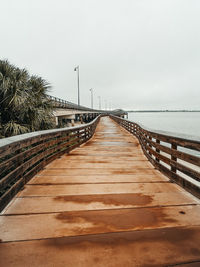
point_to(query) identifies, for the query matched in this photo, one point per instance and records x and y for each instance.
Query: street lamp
(77, 70)
(99, 102)
(105, 104)
(91, 90)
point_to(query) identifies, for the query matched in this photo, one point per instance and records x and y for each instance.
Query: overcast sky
(136, 54)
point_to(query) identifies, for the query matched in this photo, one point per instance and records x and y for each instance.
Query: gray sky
(136, 54)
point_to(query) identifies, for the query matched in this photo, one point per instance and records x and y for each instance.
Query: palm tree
(39, 110)
(24, 105)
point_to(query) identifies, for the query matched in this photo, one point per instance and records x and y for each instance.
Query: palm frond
(13, 128)
(24, 104)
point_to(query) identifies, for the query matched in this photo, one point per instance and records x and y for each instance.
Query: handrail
(22, 156)
(175, 156)
(58, 102)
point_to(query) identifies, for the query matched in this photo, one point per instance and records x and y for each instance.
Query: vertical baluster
(78, 135)
(90, 131)
(150, 138)
(85, 133)
(137, 131)
(146, 141)
(173, 146)
(157, 150)
(142, 137)
(68, 140)
(134, 129)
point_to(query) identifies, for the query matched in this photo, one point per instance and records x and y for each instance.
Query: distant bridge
(68, 111)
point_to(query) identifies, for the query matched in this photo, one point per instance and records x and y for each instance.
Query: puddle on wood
(172, 238)
(114, 220)
(110, 199)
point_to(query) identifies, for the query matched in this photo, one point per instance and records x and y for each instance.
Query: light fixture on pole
(99, 102)
(77, 70)
(91, 90)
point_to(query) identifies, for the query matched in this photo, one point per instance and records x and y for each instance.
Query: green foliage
(24, 105)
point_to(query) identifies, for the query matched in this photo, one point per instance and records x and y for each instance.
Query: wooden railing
(22, 156)
(177, 157)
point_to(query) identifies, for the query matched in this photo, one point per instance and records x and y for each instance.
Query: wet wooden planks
(101, 205)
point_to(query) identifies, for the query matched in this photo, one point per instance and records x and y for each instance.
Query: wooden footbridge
(104, 196)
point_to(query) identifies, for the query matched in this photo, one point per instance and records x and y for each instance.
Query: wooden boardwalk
(103, 204)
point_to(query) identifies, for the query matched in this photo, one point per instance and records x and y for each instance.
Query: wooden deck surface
(103, 204)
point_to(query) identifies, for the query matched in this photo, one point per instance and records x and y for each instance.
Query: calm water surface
(176, 122)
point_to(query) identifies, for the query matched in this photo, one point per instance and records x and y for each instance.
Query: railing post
(173, 146)
(157, 150)
(78, 135)
(134, 130)
(142, 138)
(86, 132)
(68, 141)
(150, 138)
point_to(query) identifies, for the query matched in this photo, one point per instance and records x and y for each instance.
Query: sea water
(187, 123)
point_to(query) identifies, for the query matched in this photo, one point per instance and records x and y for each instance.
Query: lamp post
(105, 104)
(99, 102)
(77, 70)
(91, 90)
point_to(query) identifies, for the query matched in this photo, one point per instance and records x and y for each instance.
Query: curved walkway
(103, 204)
